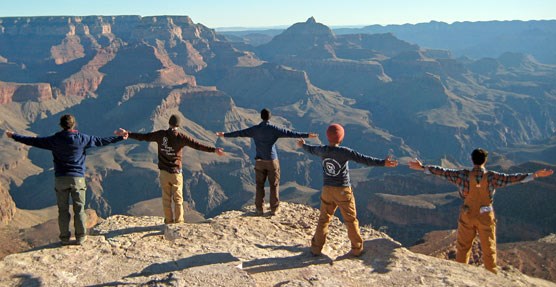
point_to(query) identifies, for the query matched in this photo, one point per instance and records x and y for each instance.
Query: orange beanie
(335, 133)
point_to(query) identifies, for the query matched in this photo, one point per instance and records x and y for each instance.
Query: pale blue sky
(261, 13)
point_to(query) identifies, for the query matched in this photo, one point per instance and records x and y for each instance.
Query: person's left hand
(300, 142)
(313, 135)
(10, 134)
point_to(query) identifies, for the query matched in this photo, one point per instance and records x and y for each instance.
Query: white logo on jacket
(331, 167)
(167, 149)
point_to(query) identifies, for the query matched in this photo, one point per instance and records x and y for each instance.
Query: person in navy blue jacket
(265, 135)
(68, 149)
(336, 189)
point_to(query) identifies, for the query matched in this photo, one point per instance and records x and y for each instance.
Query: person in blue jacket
(68, 149)
(265, 135)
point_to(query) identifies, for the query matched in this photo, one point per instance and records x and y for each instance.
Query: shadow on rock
(193, 261)
(281, 263)
(378, 253)
(129, 230)
(27, 280)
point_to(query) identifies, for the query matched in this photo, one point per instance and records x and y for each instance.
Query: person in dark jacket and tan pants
(170, 145)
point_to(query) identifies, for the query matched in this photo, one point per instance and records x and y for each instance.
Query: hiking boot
(65, 242)
(81, 240)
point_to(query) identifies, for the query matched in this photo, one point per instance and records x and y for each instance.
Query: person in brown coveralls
(477, 188)
(170, 145)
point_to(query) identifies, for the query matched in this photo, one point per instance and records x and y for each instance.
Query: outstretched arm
(499, 179)
(190, 142)
(371, 161)
(452, 175)
(94, 141)
(286, 133)
(248, 132)
(39, 142)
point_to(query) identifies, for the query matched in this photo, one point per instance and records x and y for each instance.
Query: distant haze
(257, 14)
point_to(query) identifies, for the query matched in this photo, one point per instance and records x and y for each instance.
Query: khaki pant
(333, 197)
(468, 226)
(172, 191)
(75, 187)
(267, 169)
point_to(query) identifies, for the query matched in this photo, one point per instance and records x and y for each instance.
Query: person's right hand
(300, 142)
(122, 133)
(416, 164)
(10, 134)
(313, 135)
(220, 134)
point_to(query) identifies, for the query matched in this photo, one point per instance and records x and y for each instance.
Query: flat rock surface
(237, 248)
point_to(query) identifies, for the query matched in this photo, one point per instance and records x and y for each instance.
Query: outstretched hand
(300, 142)
(10, 134)
(543, 172)
(220, 151)
(313, 135)
(220, 134)
(389, 162)
(416, 164)
(122, 133)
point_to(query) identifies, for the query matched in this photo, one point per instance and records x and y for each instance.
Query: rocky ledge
(237, 248)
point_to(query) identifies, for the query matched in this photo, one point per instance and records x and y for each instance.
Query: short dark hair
(174, 121)
(265, 114)
(479, 156)
(67, 122)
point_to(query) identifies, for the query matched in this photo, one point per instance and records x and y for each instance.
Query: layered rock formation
(238, 249)
(7, 206)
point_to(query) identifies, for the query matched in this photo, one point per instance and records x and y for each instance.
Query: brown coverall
(472, 221)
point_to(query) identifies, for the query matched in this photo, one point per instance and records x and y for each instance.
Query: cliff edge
(238, 249)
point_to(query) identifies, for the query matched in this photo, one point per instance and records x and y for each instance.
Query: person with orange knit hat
(336, 190)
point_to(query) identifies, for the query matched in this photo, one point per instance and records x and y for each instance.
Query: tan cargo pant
(172, 191)
(468, 227)
(333, 197)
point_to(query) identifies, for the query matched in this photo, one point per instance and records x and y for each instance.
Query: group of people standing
(476, 186)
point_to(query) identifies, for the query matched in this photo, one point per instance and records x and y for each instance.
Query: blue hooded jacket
(68, 149)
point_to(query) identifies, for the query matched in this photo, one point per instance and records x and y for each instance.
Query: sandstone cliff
(238, 249)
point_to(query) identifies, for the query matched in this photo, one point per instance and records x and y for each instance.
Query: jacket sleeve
(365, 159)
(452, 175)
(313, 149)
(190, 142)
(149, 137)
(286, 133)
(38, 142)
(498, 179)
(248, 132)
(94, 141)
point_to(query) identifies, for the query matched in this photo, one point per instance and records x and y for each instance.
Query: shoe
(275, 211)
(81, 240)
(65, 242)
(259, 212)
